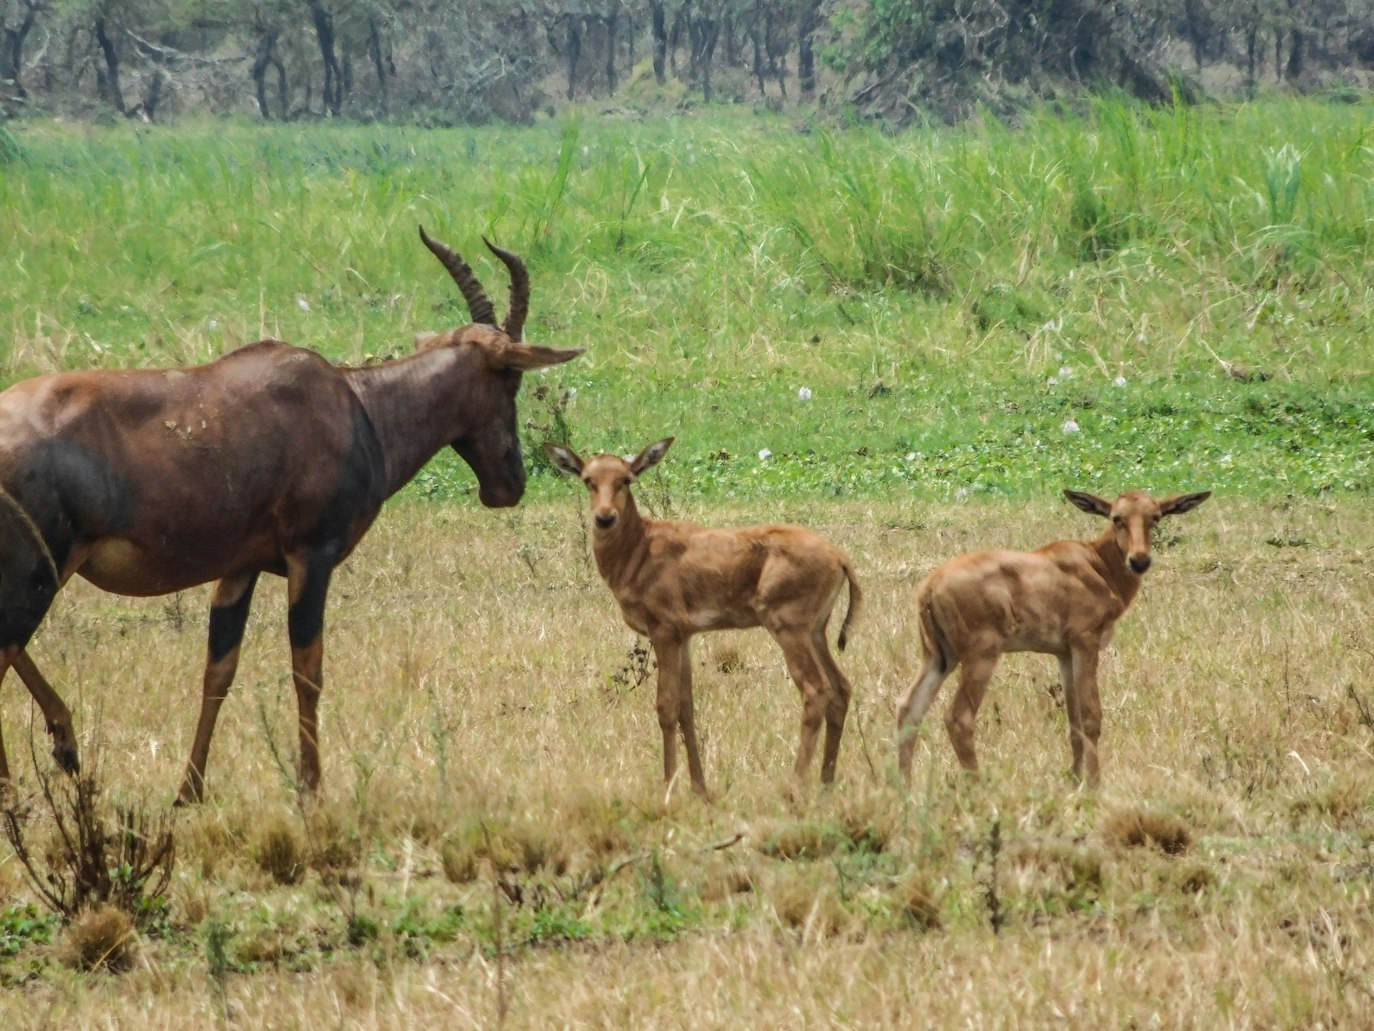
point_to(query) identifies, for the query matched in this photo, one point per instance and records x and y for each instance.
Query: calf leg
(1071, 708)
(963, 711)
(1085, 763)
(914, 706)
(686, 719)
(228, 615)
(838, 709)
(806, 672)
(668, 652)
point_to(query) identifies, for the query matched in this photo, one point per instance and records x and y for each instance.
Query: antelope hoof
(66, 757)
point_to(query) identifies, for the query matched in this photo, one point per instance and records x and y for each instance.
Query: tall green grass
(953, 299)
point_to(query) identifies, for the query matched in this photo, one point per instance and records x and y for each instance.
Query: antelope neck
(1111, 564)
(416, 406)
(622, 550)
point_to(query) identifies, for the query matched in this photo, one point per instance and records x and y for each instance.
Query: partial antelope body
(1062, 600)
(675, 579)
(268, 460)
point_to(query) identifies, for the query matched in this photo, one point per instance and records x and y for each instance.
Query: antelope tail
(856, 599)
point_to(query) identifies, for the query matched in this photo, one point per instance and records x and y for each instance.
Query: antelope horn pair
(479, 305)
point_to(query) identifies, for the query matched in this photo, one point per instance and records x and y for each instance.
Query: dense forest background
(450, 61)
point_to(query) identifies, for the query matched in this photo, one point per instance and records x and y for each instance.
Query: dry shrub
(335, 847)
(1073, 869)
(1338, 802)
(1192, 877)
(806, 839)
(728, 659)
(810, 906)
(724, 881)
(510, 846)
(1137, 828)
(605, 823)
(280, 851)
(100, 938)
(919, 905)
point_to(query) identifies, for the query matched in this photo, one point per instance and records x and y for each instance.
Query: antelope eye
(1118, 522)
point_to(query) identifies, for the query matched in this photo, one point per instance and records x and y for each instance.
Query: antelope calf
(675, 579)
(1062, 600)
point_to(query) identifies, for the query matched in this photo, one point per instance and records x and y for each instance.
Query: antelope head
(1134, 516)
(490, 442)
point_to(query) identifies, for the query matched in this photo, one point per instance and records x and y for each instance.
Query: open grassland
(1175, 300)
(493, 838)
(952, 300)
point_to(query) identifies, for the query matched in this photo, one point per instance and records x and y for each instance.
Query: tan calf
(1062, 600)
(675, 579)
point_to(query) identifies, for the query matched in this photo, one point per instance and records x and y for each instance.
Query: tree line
(450, 61)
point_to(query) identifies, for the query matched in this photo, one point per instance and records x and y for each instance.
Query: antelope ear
(1177, 503)
(1089, 503)
(564, 459)
(526, 358)
(651, 456)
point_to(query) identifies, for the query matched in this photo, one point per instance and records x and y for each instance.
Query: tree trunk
(332, 97)
(806, 53)
(374, 51)
(574, 50)
(612, 29)
(12, 48)
(108, 78)
(659, 25)
(267, 43)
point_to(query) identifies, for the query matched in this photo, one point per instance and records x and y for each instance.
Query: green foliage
(24, 925)
(951, 301)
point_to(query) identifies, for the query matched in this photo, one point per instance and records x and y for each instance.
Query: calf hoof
(67, 759)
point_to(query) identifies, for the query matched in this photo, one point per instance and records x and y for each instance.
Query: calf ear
(651, 456)
(1089, 503)
(1177, 503)
(564, 459)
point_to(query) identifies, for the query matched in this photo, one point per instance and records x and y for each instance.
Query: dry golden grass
(494, 847)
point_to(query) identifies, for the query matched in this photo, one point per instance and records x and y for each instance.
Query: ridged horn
(479, 305)
(519, 290)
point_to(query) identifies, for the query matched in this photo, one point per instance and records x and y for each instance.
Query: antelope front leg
(686, 718)
(55, 712)
(228, 615)
(307, 582)
(668, 651)
(1085, 759)
(1066, 681)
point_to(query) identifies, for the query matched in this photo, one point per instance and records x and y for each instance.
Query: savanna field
(912, 343)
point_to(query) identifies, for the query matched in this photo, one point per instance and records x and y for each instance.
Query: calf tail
(933, 637)
(856, 599)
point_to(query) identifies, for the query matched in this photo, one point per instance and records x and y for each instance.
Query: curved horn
(479, 305)
(519, 290)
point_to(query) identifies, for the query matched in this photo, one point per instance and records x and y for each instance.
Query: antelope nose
(605, 520)
(1140, 563)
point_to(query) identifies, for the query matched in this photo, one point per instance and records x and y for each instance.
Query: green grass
(951, 298)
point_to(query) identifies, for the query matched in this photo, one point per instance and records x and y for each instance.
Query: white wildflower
(804, 394)
(302, 303)
(1065, 372)
(1120, 381)
(1053, 381)
(1070, 426)
(764, 455)
(212, 324)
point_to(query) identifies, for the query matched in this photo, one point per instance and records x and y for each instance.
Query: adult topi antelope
(1062, 600)
(270, 459)
(675, 579)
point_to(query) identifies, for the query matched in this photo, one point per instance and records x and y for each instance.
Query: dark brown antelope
(1062, 600)
(676, 579)
(270, 459)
